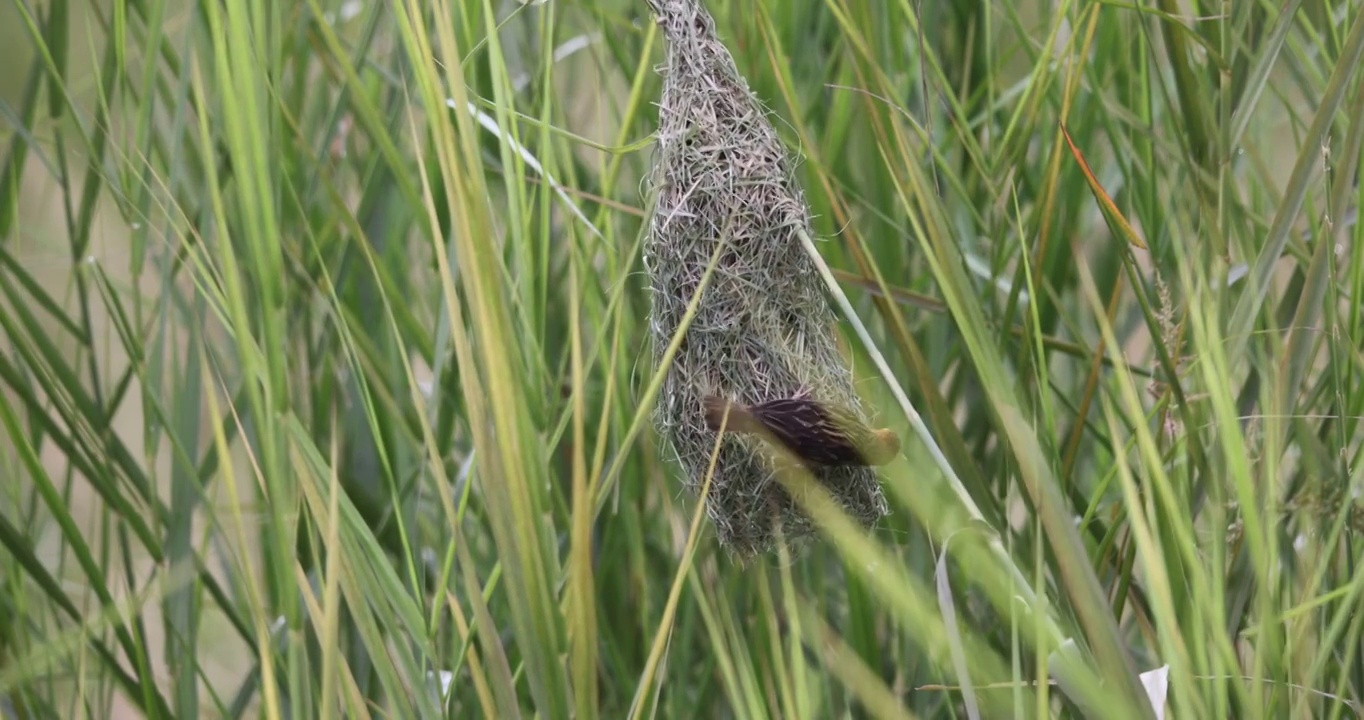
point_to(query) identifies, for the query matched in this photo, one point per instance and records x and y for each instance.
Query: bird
(819, 434)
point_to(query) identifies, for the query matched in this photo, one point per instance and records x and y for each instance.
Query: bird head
(885, 447)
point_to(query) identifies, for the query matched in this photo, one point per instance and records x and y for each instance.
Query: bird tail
(741, 419)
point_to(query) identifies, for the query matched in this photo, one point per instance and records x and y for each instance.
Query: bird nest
(763, 329)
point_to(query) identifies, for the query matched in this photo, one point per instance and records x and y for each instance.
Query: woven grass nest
(763, 329)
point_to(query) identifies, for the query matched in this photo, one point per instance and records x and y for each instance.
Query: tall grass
(326, 393)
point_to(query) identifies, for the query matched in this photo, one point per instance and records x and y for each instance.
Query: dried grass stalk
(764, 329)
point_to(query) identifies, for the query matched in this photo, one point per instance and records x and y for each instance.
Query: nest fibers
(763, 329)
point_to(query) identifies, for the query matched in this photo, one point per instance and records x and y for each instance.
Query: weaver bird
(819, 434)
